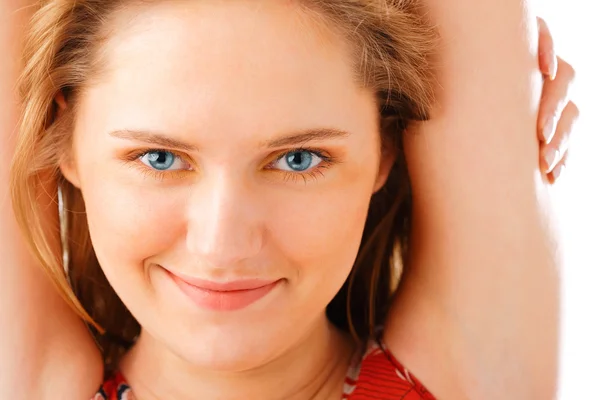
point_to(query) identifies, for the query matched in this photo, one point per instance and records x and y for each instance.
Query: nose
(224, 223)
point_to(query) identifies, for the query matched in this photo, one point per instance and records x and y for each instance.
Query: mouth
(227, 296)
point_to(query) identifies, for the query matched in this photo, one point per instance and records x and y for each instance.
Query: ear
(389, 153)
(69, 171)
(61, 103)
(67, 163)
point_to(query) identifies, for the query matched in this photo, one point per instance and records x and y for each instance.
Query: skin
(228, 210)
(493, 292)
(229, 182)
(39, 330)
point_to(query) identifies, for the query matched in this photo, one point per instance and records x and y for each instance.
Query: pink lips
(228, 296)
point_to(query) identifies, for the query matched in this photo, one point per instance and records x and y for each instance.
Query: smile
(230, 296)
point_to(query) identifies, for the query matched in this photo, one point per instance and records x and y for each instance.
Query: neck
(313, 368)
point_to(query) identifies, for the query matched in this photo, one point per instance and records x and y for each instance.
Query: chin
(231, 351)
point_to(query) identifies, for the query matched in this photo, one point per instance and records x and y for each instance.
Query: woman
(244, 187)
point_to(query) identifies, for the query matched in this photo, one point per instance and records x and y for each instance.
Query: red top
(377, 375)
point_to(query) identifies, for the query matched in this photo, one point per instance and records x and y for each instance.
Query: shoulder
(377, 374)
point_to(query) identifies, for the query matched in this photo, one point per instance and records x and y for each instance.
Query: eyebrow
(296, 139)
(305, 136)
(154, 138)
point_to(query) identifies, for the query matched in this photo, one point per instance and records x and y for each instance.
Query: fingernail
(551, 157)
(549, 128)
(552, 65)
(557, 171)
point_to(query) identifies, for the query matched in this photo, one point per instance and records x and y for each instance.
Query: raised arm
(45, 350)
(477, 315)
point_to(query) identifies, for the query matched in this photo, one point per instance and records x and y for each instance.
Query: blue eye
(162, 160)
(298, 161)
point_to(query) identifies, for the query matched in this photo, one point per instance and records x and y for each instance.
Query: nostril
(224, 246)
(224, 223)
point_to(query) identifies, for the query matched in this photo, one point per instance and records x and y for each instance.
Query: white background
(576, 28)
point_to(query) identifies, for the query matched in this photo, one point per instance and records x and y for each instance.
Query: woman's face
(229, 143)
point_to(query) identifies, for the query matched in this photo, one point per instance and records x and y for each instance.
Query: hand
(557, 114)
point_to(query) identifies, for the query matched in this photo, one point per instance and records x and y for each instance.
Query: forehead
(250, 64)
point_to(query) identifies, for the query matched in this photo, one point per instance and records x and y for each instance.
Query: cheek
(129, 223)
(331, 226)
(320, 233)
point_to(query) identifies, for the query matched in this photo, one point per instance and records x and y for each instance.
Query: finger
(559, 169)
(554, 151)
(547, 56)
(555, 97)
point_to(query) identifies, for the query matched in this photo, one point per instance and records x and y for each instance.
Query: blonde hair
(393, 45)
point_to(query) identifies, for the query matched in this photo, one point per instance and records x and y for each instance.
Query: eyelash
(315, 173)
(134, 159)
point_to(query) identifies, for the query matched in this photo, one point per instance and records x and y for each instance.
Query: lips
(227, 296)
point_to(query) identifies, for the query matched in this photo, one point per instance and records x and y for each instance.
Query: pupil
(161, 160)
(299, 160)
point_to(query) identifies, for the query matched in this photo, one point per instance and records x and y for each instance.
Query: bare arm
(45, 350)
(477, 314)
